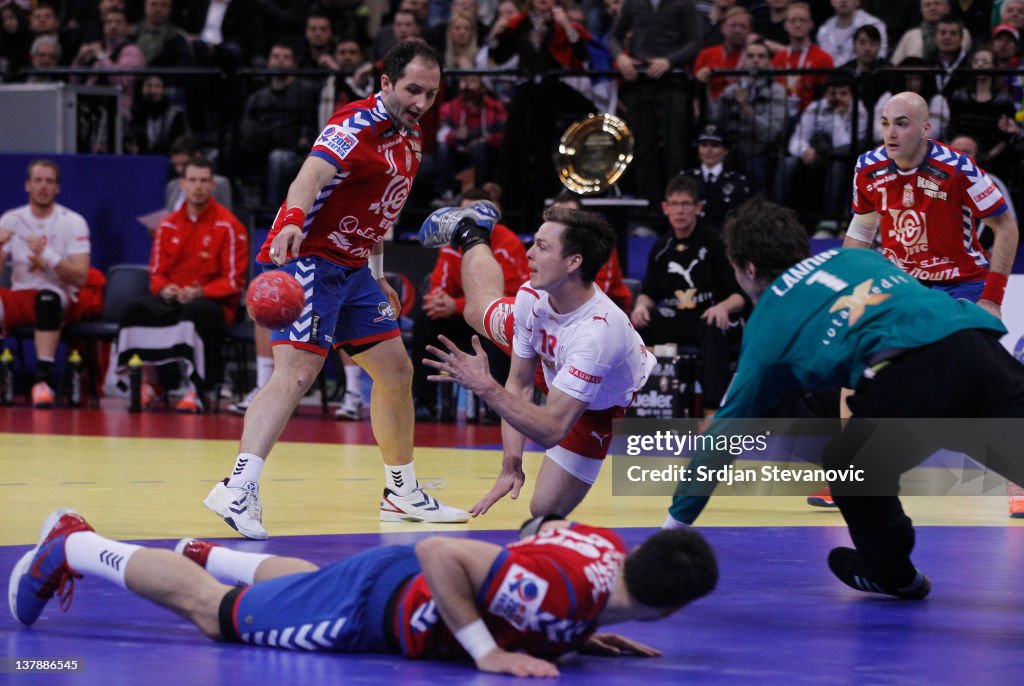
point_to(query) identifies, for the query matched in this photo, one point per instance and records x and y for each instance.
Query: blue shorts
(964, 290)
(344, 307)
(340, 608)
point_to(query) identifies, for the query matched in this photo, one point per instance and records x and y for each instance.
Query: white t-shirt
(66, 234)
(592, 354)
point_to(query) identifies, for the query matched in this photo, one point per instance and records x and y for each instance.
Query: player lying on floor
(592, 359)
(511, 610)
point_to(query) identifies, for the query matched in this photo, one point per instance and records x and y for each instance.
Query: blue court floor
(778, 617)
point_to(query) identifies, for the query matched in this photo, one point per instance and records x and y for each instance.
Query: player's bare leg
(482, 281)
(556, 491)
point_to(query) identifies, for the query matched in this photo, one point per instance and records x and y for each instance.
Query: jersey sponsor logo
(600, 318)
(880, 182)
(930, 188)
(985, 193)
(519, 597)
(928, 168)
(589, 378)
(338, 141)
(883, 172)
(910, 228)
(386, 312)
(858, 301)
(392, 200)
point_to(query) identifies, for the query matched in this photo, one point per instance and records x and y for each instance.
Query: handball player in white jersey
(592, 359)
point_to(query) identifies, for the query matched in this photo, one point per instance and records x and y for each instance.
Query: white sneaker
(239, 507)
(242, 405)
(351, 407)
(418, 506)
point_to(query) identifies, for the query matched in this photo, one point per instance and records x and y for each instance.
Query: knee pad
(48, 311)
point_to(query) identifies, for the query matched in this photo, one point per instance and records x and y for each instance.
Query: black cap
(710, 133)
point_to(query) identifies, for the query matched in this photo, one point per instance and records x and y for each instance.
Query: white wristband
(376, 263)
(476, 639)
(50, 258)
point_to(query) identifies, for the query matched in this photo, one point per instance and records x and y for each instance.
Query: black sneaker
(848, 565)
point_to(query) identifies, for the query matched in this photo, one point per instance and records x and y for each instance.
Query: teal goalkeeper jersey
(818, 325)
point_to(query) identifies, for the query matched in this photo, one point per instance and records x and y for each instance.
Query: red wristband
(292, 215)
(995, 287)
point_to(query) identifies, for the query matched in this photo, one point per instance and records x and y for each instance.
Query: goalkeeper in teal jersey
(850, 318)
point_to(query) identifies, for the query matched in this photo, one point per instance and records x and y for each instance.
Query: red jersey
(802, 87)
(508, 250)
(542, 596)
(376, 163)
(609, 280)
(212, 252)
(928, 214)
(716, 57)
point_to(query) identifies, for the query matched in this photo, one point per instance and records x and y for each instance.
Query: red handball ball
(275, 299)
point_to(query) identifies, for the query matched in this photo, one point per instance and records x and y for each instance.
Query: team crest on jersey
(519, 597)
(335, 139)
(908, 196)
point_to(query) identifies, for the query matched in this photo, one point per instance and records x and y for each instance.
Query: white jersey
(592, 354)
(66, 234)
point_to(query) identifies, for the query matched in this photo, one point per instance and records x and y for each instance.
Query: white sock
(233, 566)
(401, 479)
(354, 379)
(90, 553)
(248, 467)
(264, 369)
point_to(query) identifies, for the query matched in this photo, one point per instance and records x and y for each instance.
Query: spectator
(472, 128)
(44, 54)
(975, 16)
(443, 305)
(770, 25)
(1006, 49)
(713, 18)
(460, 42)
(800, 53)
(319, 43)
(502, 88)
(736, 27)
(898, 17)
(821, 152)
(544, 39)
(341, 89)
(720, 189)
(923, 85)
(15, 41)
(976, 110)
(182, 150)
(48, 246)
(660, 38)
(197, 272)
(920, 41)
(156, 122)
(43, 22)
(278, 125)
(163, 43)
(405, 26)
(969, 146)
(836, 35)
(223, 33)
(689, 294)
(438, 36)
(115, 51)
(349, 18)
(950, 57)
(609, 279)
(752, 114)
(1012, 12)
(865, 65)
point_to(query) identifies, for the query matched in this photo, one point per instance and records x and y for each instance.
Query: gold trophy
(593, 153)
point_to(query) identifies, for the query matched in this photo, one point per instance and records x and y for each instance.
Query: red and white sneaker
(822, 498)
(1016, 495)
(418, 506)
(42, 396)
(196, 550)
(43, 571)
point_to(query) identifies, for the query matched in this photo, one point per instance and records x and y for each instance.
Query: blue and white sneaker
(437, 229)
(44, 570)
(240, 508)
(418, 506)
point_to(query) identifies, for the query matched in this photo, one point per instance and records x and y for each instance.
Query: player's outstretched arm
(313, 175)
(511, 479)
(454, 570)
